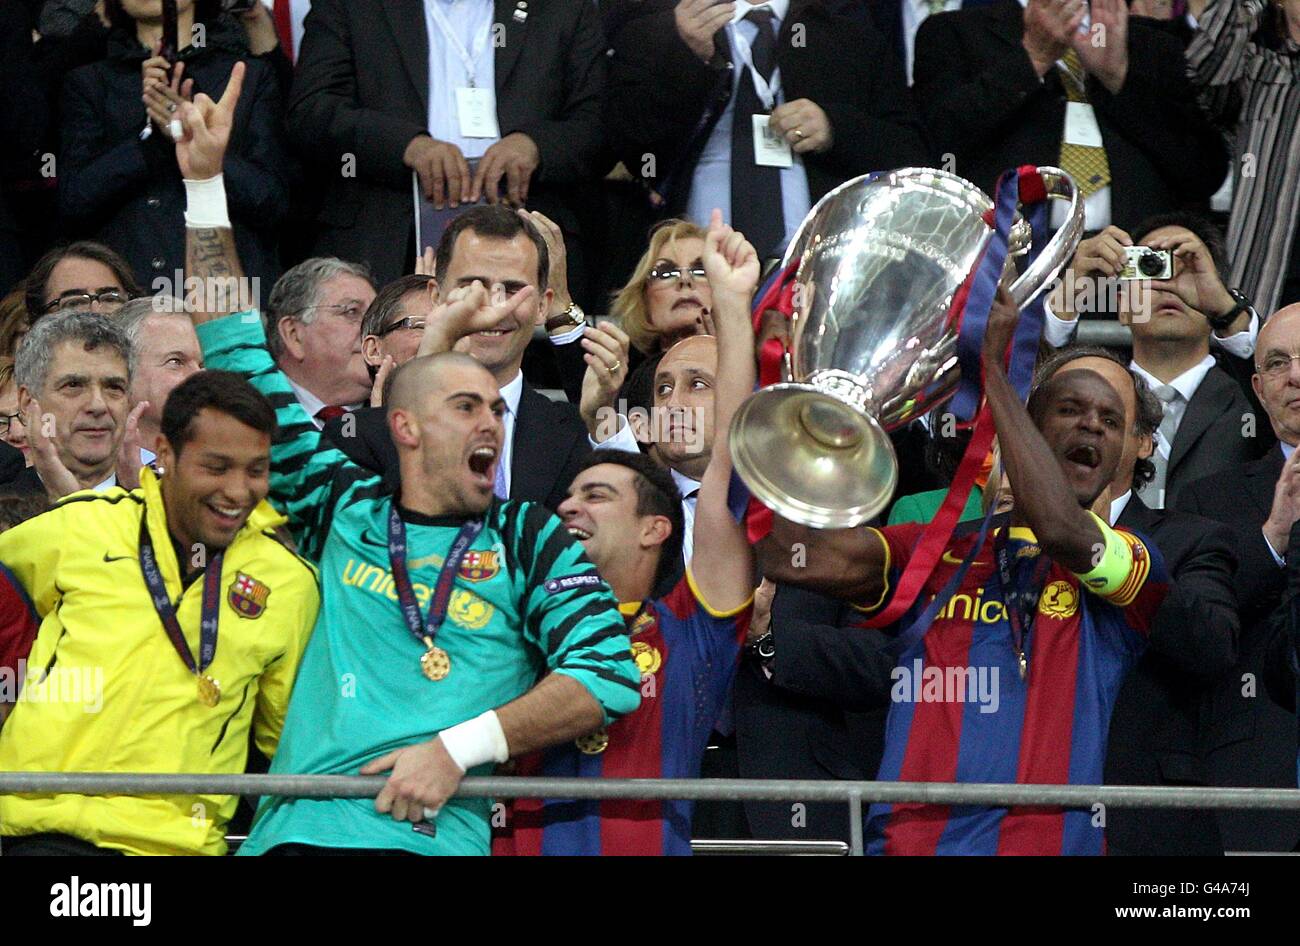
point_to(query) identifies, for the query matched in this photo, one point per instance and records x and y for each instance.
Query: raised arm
(722, 566)
(1065, 530)
(211, 261)
(308, 477)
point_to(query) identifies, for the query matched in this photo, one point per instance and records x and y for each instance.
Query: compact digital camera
(1146, 263)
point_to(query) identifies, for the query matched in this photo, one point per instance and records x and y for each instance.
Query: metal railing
(854, 794)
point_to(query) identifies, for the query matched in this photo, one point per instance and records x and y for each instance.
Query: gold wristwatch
(569, 319)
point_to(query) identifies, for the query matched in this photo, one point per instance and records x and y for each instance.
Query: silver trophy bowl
(879, 259)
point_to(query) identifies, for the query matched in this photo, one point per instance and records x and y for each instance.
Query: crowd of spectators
(241, 256)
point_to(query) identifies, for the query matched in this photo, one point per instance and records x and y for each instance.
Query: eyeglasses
(410, 322)
(1276, 366)
(664, 272)
(113, 297)
(352, 311)
(7, 419)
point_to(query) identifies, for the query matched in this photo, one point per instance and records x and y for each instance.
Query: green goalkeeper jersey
(526, 601)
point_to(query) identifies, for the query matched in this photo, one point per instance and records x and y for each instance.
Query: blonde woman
(667, 298)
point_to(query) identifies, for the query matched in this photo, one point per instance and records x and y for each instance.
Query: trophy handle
(1061, 247)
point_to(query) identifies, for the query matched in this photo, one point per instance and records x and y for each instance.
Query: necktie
(1085, 163)
(500, 487)
(1153, 493)
(282, 16)
(755, 191)
(329, 412)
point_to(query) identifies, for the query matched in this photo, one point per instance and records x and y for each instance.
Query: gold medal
(594, 743)
(209, 690)
(435, 663)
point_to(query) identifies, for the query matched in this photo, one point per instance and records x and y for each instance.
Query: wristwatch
(570, 318)
(764, 648)
(1220, 322)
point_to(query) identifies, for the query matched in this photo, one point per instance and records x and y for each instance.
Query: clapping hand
(163, 94)
(56, 477)
(1103, 50)
(606, 348)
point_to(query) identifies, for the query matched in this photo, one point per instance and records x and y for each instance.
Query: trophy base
(813, 458)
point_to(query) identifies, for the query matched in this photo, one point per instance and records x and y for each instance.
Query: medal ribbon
(1021, 601)
(153, 579)
(425, 630)
(469, 58)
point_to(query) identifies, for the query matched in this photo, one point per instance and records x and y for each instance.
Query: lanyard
(153, 579)
(468, 58)
(765, 89)
(1021, 602)
(425, 630)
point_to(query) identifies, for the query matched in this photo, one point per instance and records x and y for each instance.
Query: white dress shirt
(690, 490)
(711, 183)
(471, 22)
(310, 402)
(1186, 385)
(1059, 332)
(511, 392)
(1117, 506)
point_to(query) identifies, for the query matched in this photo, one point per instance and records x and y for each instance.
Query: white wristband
(205, 203)
(476, 741)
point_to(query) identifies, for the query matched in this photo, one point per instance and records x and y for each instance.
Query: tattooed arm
(212, 268)
(214, 275)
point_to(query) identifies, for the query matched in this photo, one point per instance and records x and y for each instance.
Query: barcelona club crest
(247, 596)
(479, 566)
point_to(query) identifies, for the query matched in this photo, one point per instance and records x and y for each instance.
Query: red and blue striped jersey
(687, 655)
(961, 712)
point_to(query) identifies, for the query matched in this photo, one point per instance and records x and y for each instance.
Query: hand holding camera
(1197, 282)
(1102, 256)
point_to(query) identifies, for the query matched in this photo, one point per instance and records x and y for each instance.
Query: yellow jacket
(115, 695)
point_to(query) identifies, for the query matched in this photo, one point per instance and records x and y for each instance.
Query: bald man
(678, 430)
(1256, 741)
(439, 607)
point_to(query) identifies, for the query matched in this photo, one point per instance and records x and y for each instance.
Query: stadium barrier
(854, 794)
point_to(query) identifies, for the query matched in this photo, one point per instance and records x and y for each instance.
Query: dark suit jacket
(550, 441)
(361, 89)
(1250, 740)
(1210, 435)
(663, 101)
(12, 466)
(129, 194)
(24, 480)
(792, 727)
(984, 105)
(1156, 723)
(887, 15)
